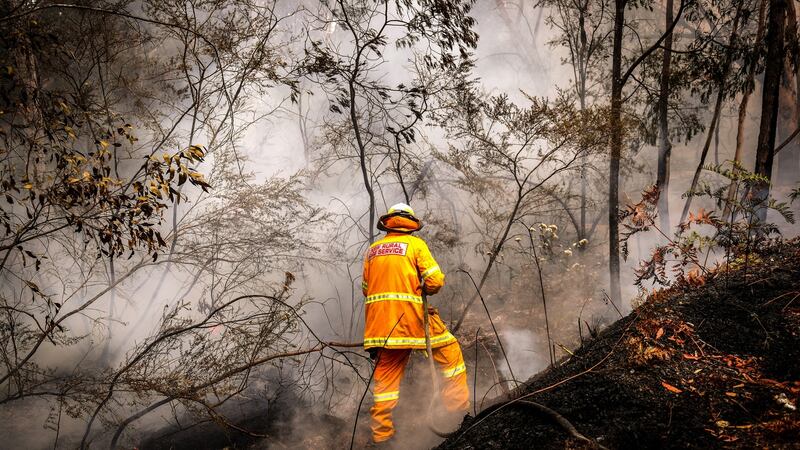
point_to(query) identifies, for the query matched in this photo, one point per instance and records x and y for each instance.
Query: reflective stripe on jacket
(393, 267)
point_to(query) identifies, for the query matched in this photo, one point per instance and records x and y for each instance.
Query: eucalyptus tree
(616, 128)
(113, 115)
(788, 158)
(664, 144)
(583, 28)
(380, 62)
(507, 157)
(715, 59)
(773, 72)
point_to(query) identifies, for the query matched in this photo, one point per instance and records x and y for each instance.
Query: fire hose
(431, 366)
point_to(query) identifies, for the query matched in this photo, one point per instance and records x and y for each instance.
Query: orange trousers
(390, 365)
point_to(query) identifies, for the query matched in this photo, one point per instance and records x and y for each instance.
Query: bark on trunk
(770, 98)
(664, 144)
(616, 152)
(788, 160)
(721, 88)
(362, 159)
(737, 157)
(704, 153)
(582, 62)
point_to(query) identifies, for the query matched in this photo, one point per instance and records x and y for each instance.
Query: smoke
(526, 350)
(312, 401)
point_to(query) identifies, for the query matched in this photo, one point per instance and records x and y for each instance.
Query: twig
(192, 390)
(787, 141)
(702, 353)
(568, 351)
(497, 378)
(489, 315)
(502, 385)
(790, 302)
(797, 294)
(612, 304)
(544, 298)
(475, 376)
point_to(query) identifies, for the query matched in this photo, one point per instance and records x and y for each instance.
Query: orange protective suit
(393, 268)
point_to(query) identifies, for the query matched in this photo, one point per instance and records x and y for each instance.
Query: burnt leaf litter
(711, 363)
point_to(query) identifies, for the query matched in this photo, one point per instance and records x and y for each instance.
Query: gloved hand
(433, 311)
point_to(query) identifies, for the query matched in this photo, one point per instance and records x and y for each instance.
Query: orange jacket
(393, 267)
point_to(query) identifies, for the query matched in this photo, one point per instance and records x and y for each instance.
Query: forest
(190, 191)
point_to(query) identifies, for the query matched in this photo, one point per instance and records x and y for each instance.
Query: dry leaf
(670, 387)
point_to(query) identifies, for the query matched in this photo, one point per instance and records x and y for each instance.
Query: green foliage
(69, 157)
(739, 195)
(735, 227)
(795, 194)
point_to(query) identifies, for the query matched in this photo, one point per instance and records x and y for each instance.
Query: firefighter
(397, 269)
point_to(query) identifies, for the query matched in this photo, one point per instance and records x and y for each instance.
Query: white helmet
(399, 209)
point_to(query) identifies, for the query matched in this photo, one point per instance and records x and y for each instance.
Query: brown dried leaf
(670, 387)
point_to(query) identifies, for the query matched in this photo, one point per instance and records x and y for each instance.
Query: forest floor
(708, 365)
(713, 364)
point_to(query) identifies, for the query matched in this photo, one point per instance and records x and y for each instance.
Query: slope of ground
(714, 364)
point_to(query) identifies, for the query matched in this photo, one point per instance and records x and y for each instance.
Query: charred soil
(714, 363)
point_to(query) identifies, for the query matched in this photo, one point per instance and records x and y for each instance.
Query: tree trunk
(664, 144)
(711, 127)
(789, 114)
(616, 152)
(737, 157)
(770, 97)
(721, 87)
(582, 68)
(362, 159)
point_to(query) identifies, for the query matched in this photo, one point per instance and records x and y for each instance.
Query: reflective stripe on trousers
(390, 366)
(418, 343)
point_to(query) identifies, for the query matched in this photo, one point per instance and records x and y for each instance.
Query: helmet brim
(382, 225)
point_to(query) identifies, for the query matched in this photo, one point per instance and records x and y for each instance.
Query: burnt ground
(708, 365)
(261, 425)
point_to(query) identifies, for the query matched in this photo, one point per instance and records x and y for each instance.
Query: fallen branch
(562, 421)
